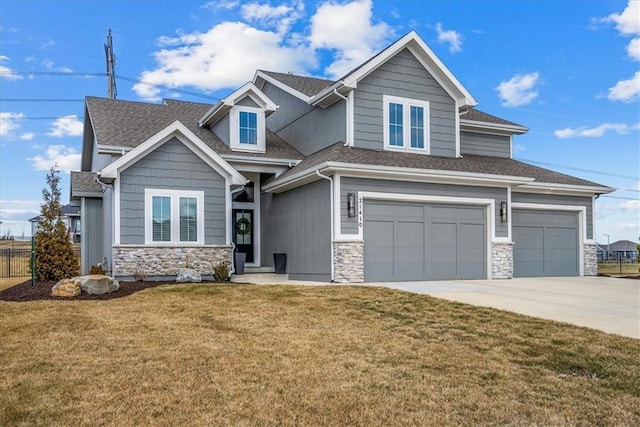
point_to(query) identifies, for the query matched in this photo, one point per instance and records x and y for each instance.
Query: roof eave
(563, 188)
(466, 124)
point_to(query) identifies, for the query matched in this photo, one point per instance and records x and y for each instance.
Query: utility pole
(111, 66)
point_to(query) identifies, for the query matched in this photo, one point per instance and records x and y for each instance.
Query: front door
(243, 232)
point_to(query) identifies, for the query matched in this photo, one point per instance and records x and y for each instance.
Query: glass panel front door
(243, 232)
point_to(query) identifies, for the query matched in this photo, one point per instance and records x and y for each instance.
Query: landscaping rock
(188, 275)
(67, 288)
(98, 284)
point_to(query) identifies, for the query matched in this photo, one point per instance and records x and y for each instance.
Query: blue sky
(568, 70)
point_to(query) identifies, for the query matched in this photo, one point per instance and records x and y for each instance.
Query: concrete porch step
(259, 278)
(253, 270)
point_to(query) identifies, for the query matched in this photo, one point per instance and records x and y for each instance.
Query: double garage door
(545, 243)
(424, 241)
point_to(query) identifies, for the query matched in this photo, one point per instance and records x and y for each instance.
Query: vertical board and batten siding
(552, 199)
(403, 76)
(221, 128)
(353, 185)
(247, 101)
(92, 225)
(481, 144)
(298, 223)
(289, 107)
(171, 166)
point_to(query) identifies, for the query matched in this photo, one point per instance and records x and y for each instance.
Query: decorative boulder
(98, 284)
(67, 288)
(188, 275)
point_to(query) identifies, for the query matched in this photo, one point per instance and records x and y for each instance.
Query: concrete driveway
(604, 303)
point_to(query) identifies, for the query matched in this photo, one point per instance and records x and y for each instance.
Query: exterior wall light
(351, 205)
(503, 211)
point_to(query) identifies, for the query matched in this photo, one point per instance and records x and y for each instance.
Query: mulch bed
(42, 291)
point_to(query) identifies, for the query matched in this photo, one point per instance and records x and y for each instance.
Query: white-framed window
(173, 217)
(406, 124)
(247, 129)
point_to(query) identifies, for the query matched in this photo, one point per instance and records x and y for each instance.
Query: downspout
(331, 207)
(233, 245)
(108, 267)
(346, 109)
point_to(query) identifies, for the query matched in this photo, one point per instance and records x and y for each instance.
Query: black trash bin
(280, 263)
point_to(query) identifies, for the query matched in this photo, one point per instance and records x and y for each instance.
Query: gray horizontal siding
(481, 144)
(298, 223)
(353, 185)
(171, 166)
(403, 76)
(553, 199)
(289, 107)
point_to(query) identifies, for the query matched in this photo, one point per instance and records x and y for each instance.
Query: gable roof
(479, 167)
(180, 131)
(216, 112)
(123, 125)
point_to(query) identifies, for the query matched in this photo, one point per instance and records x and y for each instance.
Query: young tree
(55, 259)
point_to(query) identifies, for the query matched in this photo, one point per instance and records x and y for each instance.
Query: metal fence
(16, 262)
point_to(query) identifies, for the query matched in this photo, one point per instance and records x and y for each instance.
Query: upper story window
(247, 129)
(174, 217)
(406, 124)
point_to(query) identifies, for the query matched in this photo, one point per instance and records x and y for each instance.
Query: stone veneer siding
(502, 261)
(349, 262)
(167, 260)
(590, 260)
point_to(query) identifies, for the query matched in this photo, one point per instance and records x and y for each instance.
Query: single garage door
(545, 243)
(418, 241)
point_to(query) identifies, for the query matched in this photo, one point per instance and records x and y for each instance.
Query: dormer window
(247, 129)
(406, 124)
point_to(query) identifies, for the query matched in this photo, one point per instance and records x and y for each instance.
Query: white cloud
(50, 65)
(6, 72)
(18, 209)
(633, 49)
(67, 158)
(226, 56)
(216, 5)
(47, 44)
(281, 17)
(347, 29)
(627, 22)
(9, 122)
(626, 90)
(27, 136)
(519, 90)
(452, 37)
(596, 132)
(66, 126)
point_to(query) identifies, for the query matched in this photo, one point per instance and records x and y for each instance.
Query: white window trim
(175, 215)
(406, 124)
(234, 130)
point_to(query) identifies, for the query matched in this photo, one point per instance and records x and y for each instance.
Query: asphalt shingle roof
(84, 182)
(468, 163)
(480, 116)
(128, 124)
(306, 85)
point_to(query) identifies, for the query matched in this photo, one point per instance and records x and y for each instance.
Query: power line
(618, 197)
(40, 100)
(47, 118)
(578, 169)
(169, 88)
(52, 73)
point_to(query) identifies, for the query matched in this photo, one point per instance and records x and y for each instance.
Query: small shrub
(221, 272)
(140, 276)
(96, 269)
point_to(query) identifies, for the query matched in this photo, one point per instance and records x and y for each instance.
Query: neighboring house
(71, 218)
(622, 250)
(388, 173)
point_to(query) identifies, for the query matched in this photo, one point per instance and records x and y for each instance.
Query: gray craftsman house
(389, 173)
